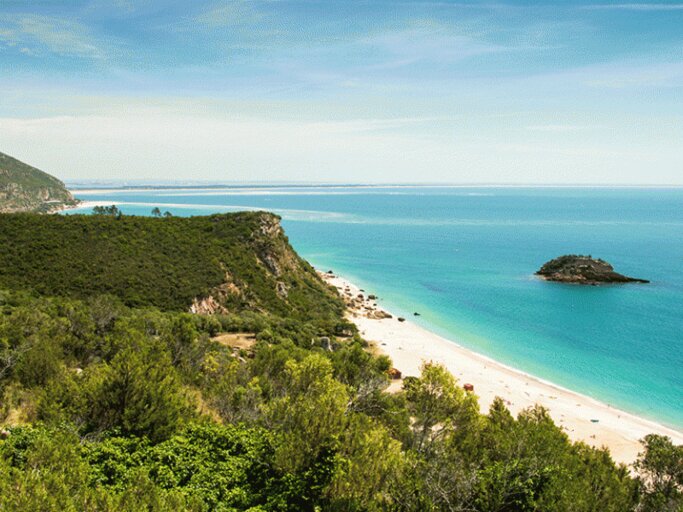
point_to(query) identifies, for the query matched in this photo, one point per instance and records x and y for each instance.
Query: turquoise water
(465, 257)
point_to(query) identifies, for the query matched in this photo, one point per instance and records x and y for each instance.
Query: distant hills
(26, 189)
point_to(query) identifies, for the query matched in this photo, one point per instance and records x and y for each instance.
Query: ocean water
(464, 258)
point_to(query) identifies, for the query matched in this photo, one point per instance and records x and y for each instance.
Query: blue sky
(363, 91)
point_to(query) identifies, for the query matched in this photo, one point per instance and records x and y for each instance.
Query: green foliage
(367, 461)
(224, 468)
(661, 467)
(138, 393)
(111, 211)
(438, 405)
(310, 416)
(241, 260)
(43, 469)
(303, 428)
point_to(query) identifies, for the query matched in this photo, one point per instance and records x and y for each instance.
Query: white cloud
(230, 14)
(177, 146)
(415, 45)
(28, 51)
(626, 75)
(8, 37)
(54, 34)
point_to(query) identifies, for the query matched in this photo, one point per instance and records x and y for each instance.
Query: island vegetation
(578, 269)
(26, 189)
(114, 396)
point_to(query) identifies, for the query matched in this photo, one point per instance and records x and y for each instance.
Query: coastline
(84, 204)
(408, 345)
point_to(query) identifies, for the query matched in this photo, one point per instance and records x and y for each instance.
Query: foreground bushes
(116, 408)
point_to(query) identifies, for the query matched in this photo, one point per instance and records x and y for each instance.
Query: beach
(581, 417)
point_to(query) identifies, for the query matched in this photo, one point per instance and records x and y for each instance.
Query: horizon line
(193, 184)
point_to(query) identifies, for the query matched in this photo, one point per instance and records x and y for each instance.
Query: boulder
(394, 374)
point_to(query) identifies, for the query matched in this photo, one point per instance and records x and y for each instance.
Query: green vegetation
(226, 263)
(25, 188)
(118, 401)
(112, 211)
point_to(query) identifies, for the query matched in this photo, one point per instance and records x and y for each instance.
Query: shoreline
(84, 204)
(408, 345)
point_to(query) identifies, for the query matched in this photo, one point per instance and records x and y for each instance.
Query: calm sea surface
(464, 259)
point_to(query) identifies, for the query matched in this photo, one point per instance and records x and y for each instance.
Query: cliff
(583, 270)
(26, 189)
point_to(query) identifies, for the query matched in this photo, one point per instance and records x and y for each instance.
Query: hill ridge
(24, 188)
(214, 264)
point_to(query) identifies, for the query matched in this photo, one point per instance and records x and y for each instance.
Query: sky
(565, 92)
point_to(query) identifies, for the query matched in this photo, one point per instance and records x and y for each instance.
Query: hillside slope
(26, 189)
(217, 264)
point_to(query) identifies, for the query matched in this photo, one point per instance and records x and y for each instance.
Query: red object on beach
(469, 387)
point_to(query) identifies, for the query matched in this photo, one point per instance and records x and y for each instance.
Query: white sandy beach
(409, 345)
(88, 205)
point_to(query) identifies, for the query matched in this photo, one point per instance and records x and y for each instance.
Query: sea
(464, 258)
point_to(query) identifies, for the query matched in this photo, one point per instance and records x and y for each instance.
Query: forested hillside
(114, 397)
(26, 189)
(221, 263)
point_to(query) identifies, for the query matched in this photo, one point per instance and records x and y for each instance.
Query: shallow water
(464, 259)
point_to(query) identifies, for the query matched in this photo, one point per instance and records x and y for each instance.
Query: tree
(43, 469)
(438, 404)
(369, 462)
(309, 418)
(168, 214)
(156, 212)
(661, 468)
(111, 211)
(139, 392)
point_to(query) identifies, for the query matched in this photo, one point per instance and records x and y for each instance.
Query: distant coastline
(105, 189)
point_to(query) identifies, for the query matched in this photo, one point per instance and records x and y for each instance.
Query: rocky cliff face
(583, 270)
(273, 254)
(215, 302)
(26, 189)
(280, 269)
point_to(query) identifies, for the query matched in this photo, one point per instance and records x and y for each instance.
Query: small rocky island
(579, 269)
